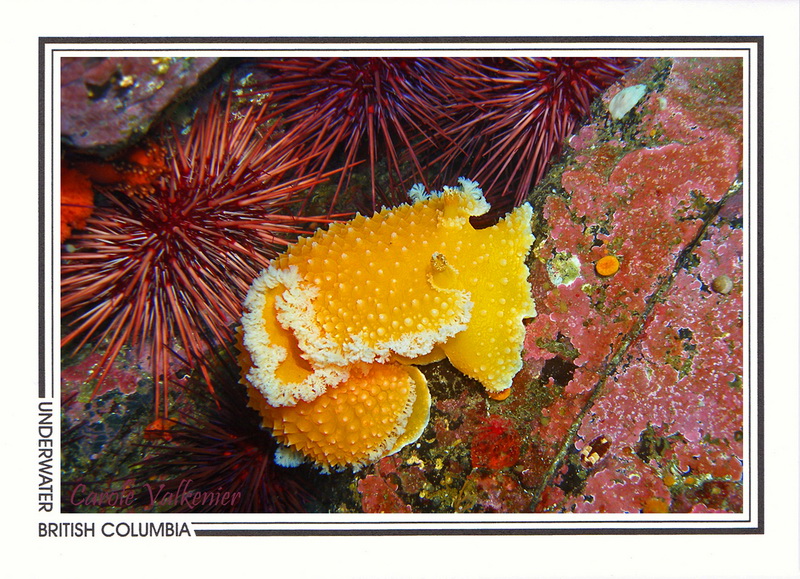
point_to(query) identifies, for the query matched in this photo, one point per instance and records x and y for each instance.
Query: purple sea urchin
(515, 115)
(364, 109)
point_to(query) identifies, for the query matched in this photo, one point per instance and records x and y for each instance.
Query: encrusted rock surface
(650, 357)
(106, 102)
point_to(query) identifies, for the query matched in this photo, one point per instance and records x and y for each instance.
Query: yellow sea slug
(408, 285)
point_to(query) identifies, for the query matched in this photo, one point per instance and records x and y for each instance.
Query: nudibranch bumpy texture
(332, 330)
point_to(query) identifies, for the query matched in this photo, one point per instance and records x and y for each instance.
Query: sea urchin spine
(364, 109)
(222, 447)
(514, 115)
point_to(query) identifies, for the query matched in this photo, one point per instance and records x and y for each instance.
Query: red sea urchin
(516, 114)
(170, 268)
(366, 109)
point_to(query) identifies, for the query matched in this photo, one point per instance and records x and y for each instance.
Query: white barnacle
(625, 100)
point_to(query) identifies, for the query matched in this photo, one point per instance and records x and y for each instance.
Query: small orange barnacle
(655, 505)
(606, 266)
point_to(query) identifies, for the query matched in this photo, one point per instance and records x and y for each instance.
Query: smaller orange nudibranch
(134, 173)
(77, 201)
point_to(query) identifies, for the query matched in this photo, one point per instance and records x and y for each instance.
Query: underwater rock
(658, 354)
(107, 101)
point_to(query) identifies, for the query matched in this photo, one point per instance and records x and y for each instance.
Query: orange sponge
(77, 201)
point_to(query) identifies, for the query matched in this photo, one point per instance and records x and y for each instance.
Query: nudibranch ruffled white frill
(332, 330)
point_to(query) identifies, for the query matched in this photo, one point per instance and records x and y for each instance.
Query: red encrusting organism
(167, 270)
(496, 445)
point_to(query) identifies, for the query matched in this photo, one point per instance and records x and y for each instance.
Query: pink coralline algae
(411, 477)
(123, 376)
(657, 352)
(497, 493)
(380, 496)
(621, 216)
(689, 108)
(684, 373)
(622, 487)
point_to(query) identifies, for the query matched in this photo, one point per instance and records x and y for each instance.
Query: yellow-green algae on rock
(408, 285)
